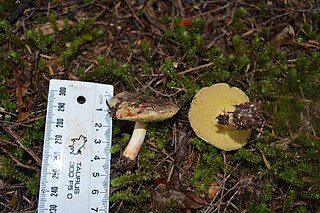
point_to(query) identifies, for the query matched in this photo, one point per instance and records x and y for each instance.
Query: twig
(55, 6)
(160, 93)
(215, 11)
(225, 177)
(162, 151)
(134, 14)
(15, 123)
(16, 138)
(6, 112)
(171, 172)
(5, 142)
(19, 163)
(234, 194)
(8, 188)
(276, 17)
(33, 119)
(233, 12)
(195, 68)
(254, 65)
(222, 194)
(163, 160)
(308, 112)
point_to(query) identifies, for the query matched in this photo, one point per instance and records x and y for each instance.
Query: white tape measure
(75, 171)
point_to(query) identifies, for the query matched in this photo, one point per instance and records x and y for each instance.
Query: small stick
(16, 138)
(195, 68)
(18, 162)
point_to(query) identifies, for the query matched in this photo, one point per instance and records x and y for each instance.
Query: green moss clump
(210, 162)
(303, 77)
(39, 40)
(31, 136)
(112, 69)
(131, 179)
(8, 34)
(70, 53)
(6, 101)
(287, 116)
(245, 155)
(134, 201)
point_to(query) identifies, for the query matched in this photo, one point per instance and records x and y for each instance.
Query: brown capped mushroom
(210, 102)
(143, 110)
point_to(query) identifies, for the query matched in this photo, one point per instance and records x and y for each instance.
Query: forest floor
(170, 50)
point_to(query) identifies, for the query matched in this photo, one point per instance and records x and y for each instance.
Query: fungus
(142, 110)
(210, 102)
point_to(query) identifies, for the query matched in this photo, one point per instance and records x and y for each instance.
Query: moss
(250, 157)
(146, 50)
(191, 42)
(115, 70)
(267, 193)
(67, 55)
(219, 71)
(287, 117)
(134, 201)
(158, 133)
(74, 38)
(290, 176)
(33, 135)
(171, 206)
(237, 24)
(4, 70)
(146, 159)
(258, 208)
(191, 90)
(52, 20)
(296, 172)
(6, 101)
(42, 65)
(132, 179)
(31, 180)
(302, 77)
(263, 205)
(39, 40)
(289, 200)
(300, 209)
(210, 162)
(168, 70)
(30, 137)
(8, 34)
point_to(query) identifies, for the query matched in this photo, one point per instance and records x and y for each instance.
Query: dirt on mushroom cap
(141, 108)
(206, 105)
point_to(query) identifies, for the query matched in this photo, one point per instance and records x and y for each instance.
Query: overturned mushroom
(209, 103)
(143, 110)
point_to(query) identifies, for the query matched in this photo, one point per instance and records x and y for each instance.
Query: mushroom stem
(137, 138)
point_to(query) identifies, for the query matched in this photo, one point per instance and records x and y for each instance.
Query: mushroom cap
(141, 108)
(207, 104)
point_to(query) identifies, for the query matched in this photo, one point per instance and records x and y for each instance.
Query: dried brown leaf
(281, 33)
(213, 190)
(185, 199)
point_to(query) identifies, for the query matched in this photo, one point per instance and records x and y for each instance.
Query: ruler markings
(76, 148)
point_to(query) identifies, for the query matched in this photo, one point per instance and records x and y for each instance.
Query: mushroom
(141, 109)
(207, 104)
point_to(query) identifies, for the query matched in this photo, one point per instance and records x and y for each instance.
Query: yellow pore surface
(207, 104)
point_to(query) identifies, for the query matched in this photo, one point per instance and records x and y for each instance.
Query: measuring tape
(75, 172)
